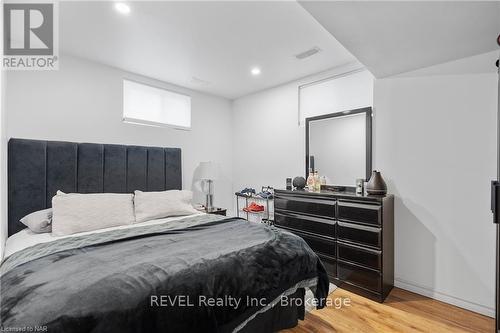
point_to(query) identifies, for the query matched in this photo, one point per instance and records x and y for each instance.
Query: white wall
(434, 141)
(82, 102)
(269, 146)
(353, 90)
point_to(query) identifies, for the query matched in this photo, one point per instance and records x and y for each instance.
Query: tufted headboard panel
(37, 169)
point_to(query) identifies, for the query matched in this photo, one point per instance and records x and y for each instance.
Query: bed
(196, 273)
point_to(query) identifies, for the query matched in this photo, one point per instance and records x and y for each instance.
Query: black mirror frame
(368, 113)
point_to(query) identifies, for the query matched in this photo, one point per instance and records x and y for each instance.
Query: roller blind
(149, 105)
(336, 94)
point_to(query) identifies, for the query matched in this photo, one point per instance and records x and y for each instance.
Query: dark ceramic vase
(376, 184)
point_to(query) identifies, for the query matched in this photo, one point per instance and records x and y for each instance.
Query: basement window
(152, 106)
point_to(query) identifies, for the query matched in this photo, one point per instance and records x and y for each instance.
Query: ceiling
(206, 46)
(395, 37)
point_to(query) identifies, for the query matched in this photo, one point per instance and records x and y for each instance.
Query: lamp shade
(207, 170)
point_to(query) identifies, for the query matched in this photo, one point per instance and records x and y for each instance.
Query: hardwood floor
(402, 311)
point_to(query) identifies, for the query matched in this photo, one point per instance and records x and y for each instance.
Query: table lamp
(208, 173)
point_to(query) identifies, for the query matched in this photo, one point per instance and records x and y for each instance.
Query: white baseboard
(425, 291)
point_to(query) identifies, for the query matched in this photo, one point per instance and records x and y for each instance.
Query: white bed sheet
(26, 238)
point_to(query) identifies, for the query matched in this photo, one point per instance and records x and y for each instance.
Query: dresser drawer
(315, 225)
(311, 206)
(359, 276)
(359, 255)
(359, 234)
(330, 265)
(324, 246)
(358, 212)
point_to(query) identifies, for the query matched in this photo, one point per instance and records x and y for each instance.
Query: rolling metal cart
(266, 216)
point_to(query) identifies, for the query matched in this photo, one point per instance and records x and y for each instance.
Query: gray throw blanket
(157, 278)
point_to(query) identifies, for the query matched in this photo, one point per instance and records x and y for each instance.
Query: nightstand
(214, 210)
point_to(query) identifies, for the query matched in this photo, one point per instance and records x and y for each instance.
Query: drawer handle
(356, 205)
(318, 239)
(371, 222)
(359, 227)
(343, 262)
(306, 218)
(314, 201)
(357, 247)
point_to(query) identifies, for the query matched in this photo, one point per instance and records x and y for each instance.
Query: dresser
(352, 234)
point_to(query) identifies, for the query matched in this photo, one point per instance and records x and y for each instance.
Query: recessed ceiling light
(255, 71)
(122, 8)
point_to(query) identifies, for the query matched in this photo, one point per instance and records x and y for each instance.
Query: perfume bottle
(322, 180)
(310, 181)
(317, 183)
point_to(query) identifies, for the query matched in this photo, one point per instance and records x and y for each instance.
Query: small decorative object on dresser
(299, 183)
(376, 184)
(360, 186)
(352, 234)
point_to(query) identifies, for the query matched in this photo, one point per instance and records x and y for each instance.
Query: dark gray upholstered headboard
(37, 169)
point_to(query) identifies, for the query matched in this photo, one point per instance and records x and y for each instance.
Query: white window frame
(143, 122)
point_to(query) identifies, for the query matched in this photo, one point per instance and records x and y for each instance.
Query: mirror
(339, 147)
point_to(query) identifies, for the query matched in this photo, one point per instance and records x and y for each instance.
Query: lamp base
(210, 197)
(209, 201)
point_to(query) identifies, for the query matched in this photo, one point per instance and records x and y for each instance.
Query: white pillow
(156, 205)
(39, 221)
(75, 212)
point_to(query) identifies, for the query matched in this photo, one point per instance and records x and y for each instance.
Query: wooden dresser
(352, 234)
